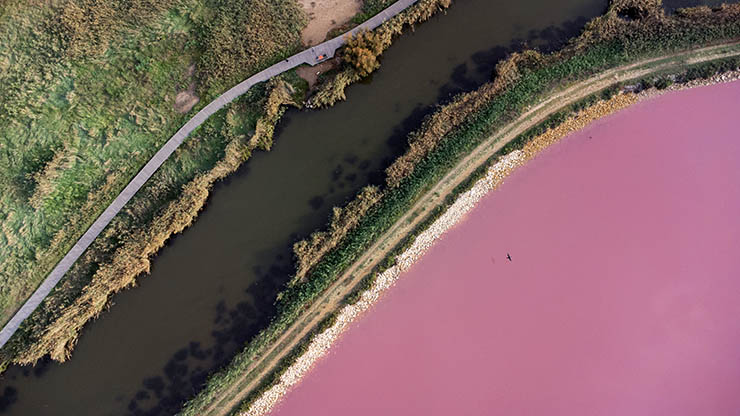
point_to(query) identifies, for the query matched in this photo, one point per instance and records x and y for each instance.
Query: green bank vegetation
(699, 71)
(370, 8)
(630, 31)
(520, 81)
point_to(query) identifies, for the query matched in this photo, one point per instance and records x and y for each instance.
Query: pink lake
(622, 296)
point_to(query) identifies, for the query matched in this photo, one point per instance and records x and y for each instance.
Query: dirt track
(333, 296)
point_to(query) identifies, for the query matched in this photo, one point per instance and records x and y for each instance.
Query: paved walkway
(310, 56)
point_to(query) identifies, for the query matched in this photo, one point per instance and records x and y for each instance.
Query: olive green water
(212, 287)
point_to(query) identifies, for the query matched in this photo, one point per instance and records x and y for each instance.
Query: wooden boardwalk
(311, 56)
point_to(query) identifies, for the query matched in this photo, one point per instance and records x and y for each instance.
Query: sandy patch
(325, 15)
(311, 73)
(186, 100)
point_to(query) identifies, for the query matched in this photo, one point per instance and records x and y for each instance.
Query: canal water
(212, 288)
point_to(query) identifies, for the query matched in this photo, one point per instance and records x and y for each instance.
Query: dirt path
(333, 296)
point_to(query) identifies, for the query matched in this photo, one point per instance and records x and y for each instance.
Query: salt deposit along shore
(368, 356)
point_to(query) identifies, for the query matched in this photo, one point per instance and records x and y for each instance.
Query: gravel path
(311, 56)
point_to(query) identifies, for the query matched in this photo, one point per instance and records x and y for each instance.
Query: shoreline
(495, 176)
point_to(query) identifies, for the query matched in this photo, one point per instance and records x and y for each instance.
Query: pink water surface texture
(622, 296)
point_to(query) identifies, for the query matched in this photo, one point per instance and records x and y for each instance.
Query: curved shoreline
(311, 56)
(496, 174)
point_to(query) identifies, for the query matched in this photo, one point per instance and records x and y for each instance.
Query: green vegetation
(370, 8)
(308, 252)
(89, 93)
(319, 243)
(699, 71)
(238, 38)
(709, 69)
(631, 30)
(274, 376)
(552, 121)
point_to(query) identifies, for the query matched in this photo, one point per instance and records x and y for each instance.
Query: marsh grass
(88, 90)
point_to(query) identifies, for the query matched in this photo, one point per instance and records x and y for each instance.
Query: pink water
(622, 296)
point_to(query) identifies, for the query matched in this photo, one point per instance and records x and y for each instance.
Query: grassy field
(630, 31)
(88, 92)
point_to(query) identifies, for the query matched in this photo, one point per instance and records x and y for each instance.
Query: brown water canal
(212, 288)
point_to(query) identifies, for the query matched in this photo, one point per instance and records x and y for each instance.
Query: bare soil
(311, 73)
(325, 15)
(186, 100)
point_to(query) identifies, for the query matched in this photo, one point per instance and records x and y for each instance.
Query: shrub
(663, 83)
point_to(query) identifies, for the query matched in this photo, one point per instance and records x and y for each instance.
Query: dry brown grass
(280, 96)
(88, 92)
(309, 251)
(577, 122)
(88, 26)
(331, 91)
